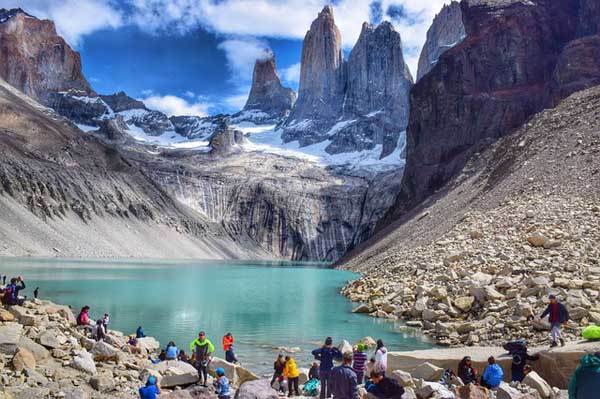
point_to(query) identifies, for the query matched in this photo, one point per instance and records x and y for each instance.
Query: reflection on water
(265, 305)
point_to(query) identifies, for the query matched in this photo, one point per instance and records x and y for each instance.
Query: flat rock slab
(555, 366)
(10, 335)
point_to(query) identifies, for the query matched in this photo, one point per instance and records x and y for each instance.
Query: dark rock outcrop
(196, 127)
(78, 106)
(268, 99)
(227, 141)
(320, 93)
(122, 102)
(446, 31)
(34, 59)
(485, 87)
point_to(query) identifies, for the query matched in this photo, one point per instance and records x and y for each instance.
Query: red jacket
(227, 343)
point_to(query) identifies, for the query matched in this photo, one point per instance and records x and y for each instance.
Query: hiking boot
(553, 344)
(562, 342)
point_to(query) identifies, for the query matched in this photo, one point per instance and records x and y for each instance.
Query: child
(292, 374)
(222, 384)
(150, 391)
(313, 373)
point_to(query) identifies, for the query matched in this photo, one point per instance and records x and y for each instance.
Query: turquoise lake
(266, 305)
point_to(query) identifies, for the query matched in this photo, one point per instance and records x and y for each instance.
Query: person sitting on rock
(183, 357)
(172, 352)
(326, 355)
(384, 387)
(342, 381)
(83, 318)
(558, 316)
(359, 362)
(11, 292)
(150, 390)
(492, 375)
(313, 372)
(139, 333)
(228, 348)
(221, 384)
(292, 375)
(585, 382)
(202, 349)
(466, 372)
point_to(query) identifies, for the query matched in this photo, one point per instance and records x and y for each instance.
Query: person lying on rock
(221, 384)
(150, 390)
(558, 316)
(492, 375)
(466, 372)
(384, 387)
(202, 349)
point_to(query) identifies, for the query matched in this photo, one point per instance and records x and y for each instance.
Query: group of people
(98, 328)
(11, 292)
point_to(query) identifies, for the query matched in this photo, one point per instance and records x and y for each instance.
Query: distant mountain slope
(65, 192)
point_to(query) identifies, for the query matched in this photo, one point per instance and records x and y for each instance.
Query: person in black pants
(278, 367)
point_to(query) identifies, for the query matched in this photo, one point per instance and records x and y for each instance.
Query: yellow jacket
(291, 370)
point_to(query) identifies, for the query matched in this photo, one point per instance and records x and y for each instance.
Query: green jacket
(202, 348)
(585, 382)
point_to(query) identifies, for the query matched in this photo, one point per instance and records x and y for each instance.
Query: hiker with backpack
(11, 292)
(202, 349)
(518, 350)
(326, 355)
(558, 315)
(228, 348)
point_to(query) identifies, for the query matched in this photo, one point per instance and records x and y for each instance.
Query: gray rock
(259, 389)
(77, 394)
(39, 352)
(102, 383)
(84, 361)
(10, 335)
(52, 339)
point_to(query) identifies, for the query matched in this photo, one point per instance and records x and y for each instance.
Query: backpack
(512, 347)
(311, 388)
(9, 293)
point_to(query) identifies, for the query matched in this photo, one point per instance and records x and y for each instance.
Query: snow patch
(87, 128)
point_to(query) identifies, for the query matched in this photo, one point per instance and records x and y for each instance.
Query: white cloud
(173, 105)
(237, 101)
(73, 18)
(291, 74)
(241, 55)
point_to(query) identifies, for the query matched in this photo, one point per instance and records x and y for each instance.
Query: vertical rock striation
(34, 59)
(268, 99)
(488, 85)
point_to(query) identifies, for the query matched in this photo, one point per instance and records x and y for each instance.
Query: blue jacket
(172, 352)
(222, 385)
(342, 383)
(493, 375)
(326, 356)
(139, 333)
(149, 392)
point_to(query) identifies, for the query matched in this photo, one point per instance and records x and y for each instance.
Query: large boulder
(434, 390)
(10, 335)
(52, 339)
(472, 391)
(5, 315)
(102, 383)
(258, 389)
(39, 352)
(534, 380)
(83, 361)
(174, 373)
(22, 315)
(150, 344)
(428, 372)
(23, 359)
(236, 374)
(103, 352)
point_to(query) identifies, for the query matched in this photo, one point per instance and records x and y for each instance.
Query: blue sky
(196, 56)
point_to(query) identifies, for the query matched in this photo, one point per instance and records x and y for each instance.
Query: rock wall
(34, 59)
(446, 31)
(483, 88)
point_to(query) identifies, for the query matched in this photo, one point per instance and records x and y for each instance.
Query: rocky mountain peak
(122, 102)
(446, 31)
(35, 59)
(267, 95)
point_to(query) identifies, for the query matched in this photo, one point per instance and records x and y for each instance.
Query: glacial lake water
(266, 305)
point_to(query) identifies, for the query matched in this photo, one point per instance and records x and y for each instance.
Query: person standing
(381, 356)
(292, 374)
(342, 381)
(359, 362)
(36, 292)
(202, 349)
(519, 360)
(228, 348)
(384, 387)
(492, 375)
(585, 382)
(105, 320)
(558, 316)
(326, 355)
(278, 367)
(466, 372)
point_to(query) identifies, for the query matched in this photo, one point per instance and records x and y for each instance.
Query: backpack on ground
(591, 333)
(519, 345)
(311, 388)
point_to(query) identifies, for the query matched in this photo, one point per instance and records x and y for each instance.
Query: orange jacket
(227, 343)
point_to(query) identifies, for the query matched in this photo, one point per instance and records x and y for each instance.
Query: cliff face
(268, 99)
(446, 31)
(485, 87)
(34, 59)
